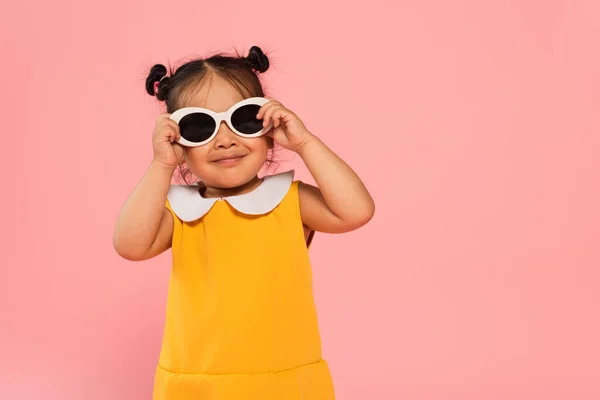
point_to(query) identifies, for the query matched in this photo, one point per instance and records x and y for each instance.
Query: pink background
(474, 123)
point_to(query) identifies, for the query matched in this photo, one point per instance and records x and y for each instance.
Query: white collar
(187, 203)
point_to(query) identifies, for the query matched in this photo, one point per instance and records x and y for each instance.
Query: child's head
(217, 83)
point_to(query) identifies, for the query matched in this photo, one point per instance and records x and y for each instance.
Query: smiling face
(228, 161)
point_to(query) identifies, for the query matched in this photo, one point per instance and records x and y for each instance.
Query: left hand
(288, 130)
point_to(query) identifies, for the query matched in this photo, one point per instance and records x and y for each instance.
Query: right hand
(164, 141)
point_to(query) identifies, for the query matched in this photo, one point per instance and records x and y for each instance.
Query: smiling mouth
(229, 160)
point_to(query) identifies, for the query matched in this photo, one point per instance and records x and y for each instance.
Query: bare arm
(341, 203)
(145, 227)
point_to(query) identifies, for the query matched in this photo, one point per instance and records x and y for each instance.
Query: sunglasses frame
(219, 118)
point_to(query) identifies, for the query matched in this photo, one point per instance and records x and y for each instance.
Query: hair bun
(157, 72)
(258, 60)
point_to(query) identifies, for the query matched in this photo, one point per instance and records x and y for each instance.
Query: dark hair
(241, 72)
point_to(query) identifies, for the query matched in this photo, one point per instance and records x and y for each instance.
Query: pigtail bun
(158, 73)
(258, 60)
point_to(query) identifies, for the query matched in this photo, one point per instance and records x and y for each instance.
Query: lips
(227, 159)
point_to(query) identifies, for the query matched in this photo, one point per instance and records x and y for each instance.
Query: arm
(341, 203)
(145, 227)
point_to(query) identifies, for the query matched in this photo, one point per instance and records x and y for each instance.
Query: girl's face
(228, 161)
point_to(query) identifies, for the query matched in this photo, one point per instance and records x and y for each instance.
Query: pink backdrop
(475, 125)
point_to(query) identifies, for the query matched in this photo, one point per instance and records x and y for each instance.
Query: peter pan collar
(187, 203)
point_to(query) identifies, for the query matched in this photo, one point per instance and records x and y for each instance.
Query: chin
(230, 183)
(228, 178)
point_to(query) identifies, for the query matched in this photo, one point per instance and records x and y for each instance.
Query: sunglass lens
(197, 127)
(244, 119)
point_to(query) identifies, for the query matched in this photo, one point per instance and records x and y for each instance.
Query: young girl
(241, 321)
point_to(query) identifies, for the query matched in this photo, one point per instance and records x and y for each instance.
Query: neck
(211, 192)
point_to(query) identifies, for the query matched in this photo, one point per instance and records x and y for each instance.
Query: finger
(171, 132)
(172, 125)
(264, 109)
(169, 121)
(171, 135)
(278, 117)
(267, 115)
(166, 122)
(175, 139)
(268, 119)
(166, 130)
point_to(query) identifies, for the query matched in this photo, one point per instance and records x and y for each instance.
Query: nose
(225, 138)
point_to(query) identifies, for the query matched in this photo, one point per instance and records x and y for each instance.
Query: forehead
(214, 93)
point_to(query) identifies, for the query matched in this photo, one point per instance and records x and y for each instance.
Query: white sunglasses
(198, 126)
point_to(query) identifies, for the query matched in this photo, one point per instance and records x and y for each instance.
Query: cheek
(259, 145)
(195, 157)
(195, 154)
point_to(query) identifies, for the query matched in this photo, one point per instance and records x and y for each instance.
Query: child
(241, 320)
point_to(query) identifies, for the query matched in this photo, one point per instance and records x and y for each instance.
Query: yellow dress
(241, 321)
